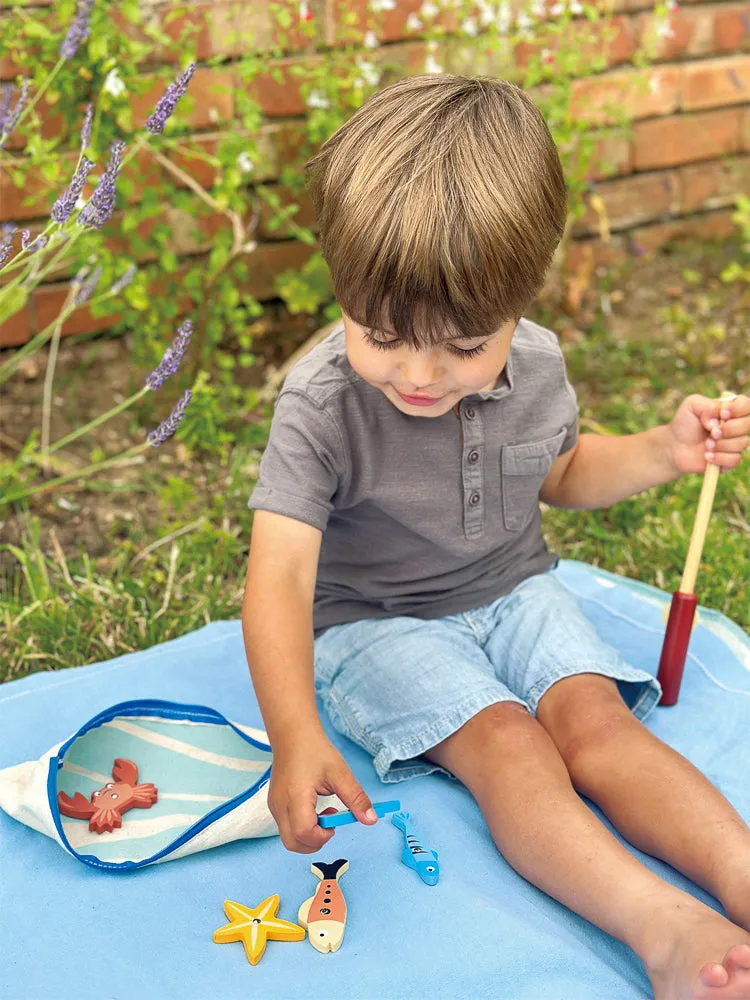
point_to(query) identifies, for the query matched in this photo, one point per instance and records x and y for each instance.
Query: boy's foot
(704, 957)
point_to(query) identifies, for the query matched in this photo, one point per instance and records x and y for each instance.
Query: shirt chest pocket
(523, 470)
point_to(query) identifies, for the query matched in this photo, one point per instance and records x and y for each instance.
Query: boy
(397, 566)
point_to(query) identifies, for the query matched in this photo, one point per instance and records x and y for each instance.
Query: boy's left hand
(713, 431)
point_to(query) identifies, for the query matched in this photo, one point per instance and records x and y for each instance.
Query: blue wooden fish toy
(424, 863)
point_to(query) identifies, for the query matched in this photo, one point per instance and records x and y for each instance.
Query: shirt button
(474, 499)
(473, 457)
(470, 412)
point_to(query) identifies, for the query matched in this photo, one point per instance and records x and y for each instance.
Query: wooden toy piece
(255, 927)
(684, 601)
(107, 805)
(324, 914)
(424, 863)
(328, 820)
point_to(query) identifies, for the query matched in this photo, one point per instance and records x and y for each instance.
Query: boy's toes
(714, 974)
(738, 956)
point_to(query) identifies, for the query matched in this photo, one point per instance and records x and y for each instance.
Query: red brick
(634, 93)
(42, 193)
(667, 142)
(712, 226)
(16, 330)
(714, 185)
(714, 83)
(269, 260)
(612, 157)
(732, 28)
(211, 91)
(48, 300)
(229, 28)
(632, 200)
(691, 32)
(745, 131)
(285, 97)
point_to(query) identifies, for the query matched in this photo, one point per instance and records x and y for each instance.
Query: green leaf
(12, 300)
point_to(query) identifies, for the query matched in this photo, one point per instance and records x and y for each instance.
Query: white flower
(655, 83)
(304, 10)
(431, 65)
(664, 29)
(524, 22)
(413, 23)
(429, 10)
(486, 13)
(557, 9)
(370, 41)
(576, 8)
(469, 27)
(317, 99)
(538, 8)
(378, 6)
(503, 18)
(369, 74)
(113, 84)
(245, 163)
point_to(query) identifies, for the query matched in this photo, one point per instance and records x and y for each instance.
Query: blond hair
(440, 203)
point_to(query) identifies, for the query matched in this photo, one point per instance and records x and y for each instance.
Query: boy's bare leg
(544, 830)
(658, 800)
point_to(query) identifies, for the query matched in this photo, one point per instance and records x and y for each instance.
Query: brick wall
(677, 173)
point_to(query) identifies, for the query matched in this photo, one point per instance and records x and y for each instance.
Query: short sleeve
(570, 416)
(303, 463)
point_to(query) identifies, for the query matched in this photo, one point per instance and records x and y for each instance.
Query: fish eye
(322, 933)
(430, 868)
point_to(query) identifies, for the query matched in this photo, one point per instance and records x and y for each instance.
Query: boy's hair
(441, 202)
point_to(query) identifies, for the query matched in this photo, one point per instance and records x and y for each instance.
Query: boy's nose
(420, 370)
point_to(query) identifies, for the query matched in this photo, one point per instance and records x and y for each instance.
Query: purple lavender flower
(25, 237)
(65, 204)
(86, 127)
(172, 357)
(167, 427)
(39, 243)
(102, 202)
(85, 287)
(123, 281)
(155, 124)
(78, 31)
(8, 115)
(8, 230)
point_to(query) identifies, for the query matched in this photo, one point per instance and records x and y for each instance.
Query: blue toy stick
(424, 863)
(341, 818)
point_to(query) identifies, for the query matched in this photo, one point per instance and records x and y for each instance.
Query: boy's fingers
(353, 796)
(304, 834)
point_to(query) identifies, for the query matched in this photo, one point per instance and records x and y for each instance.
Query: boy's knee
(496, 732)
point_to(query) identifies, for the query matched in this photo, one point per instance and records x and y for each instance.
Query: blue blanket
(68, 931)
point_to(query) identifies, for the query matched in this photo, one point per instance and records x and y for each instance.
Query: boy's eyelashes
(387, 345)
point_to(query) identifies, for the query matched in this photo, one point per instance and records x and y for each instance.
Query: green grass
(162, 581)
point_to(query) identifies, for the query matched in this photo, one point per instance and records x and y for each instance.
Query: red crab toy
(104, 811)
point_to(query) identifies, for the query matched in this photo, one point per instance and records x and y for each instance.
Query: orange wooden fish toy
(324, 914)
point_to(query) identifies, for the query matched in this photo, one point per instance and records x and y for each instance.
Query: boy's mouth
(419, 400)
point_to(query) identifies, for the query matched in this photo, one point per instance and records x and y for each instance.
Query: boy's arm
(278, 631)
(601, 469)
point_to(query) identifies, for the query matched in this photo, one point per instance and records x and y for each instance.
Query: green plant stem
(8, 368)
(50, 77)
(102, 418)
(88, 470)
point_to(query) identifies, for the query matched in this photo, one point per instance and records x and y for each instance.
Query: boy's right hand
(299, 773)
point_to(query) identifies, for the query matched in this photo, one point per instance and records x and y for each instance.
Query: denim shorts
(398, 686)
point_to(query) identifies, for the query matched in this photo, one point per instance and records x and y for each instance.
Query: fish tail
(332, 870)
(401, 820)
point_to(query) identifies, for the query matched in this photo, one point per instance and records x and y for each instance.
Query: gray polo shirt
(420, 516)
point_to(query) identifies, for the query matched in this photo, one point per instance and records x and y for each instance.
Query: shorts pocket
(524, 468)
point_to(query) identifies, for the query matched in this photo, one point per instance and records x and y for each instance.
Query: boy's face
(427, 382)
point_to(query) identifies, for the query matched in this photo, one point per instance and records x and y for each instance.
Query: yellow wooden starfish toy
(254, 927)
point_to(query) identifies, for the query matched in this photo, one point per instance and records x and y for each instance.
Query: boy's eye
(373, 338)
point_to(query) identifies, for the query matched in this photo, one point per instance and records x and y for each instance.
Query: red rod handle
(676, 641)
